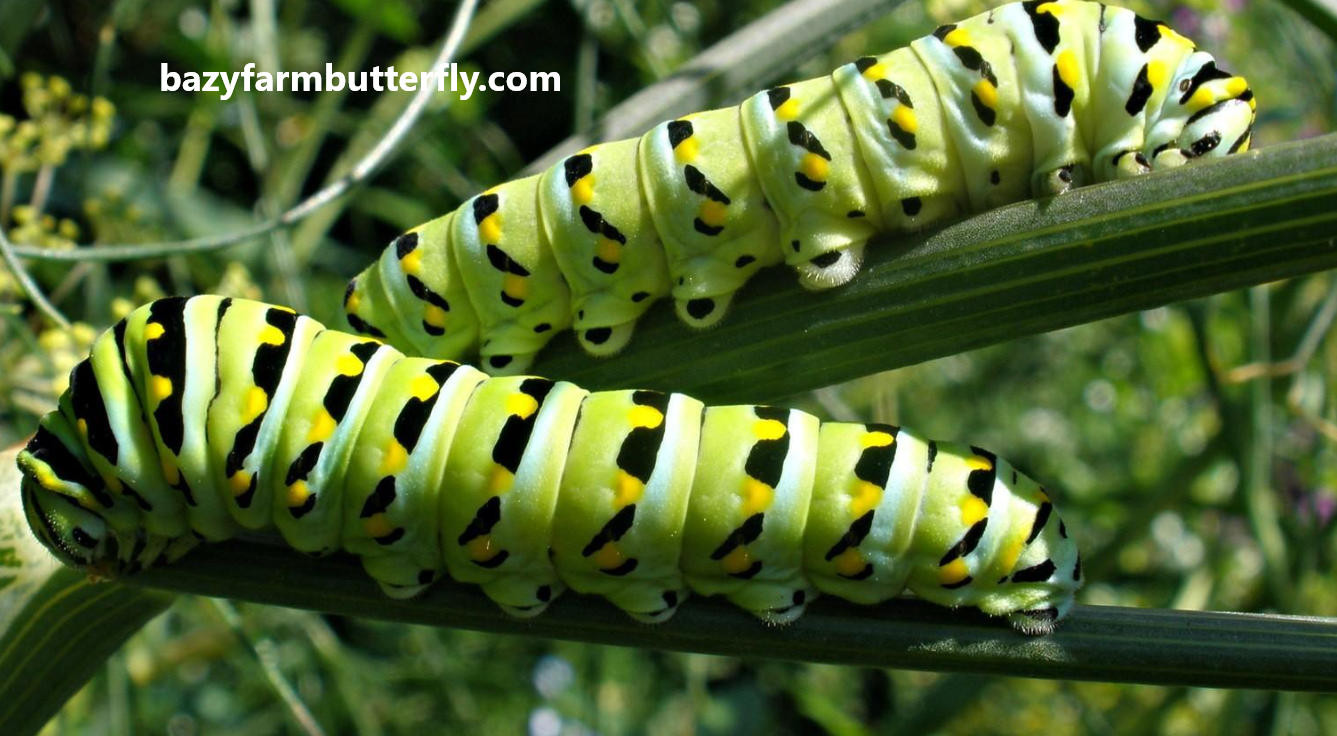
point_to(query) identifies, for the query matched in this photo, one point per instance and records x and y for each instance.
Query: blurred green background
(1196, 462)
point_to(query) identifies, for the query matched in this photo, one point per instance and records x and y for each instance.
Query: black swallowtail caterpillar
(1030, 98)
(196, 418)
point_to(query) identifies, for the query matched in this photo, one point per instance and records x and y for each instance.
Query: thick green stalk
(1104, 643)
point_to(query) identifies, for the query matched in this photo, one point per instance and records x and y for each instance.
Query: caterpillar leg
(703, 312)
(1063, 179)
(605, 341)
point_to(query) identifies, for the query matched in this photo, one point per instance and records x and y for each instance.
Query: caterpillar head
(76, 536)
(1208, 112)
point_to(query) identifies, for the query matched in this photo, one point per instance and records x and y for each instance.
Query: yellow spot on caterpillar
(1157, 74)
(1068, 69)
(1200, 99)
(645, 417)
(814, 167)
(1235, 86)
(876, 439)
(608, 556)
(256, 403)
(687, 150)
(114, 484)
(348, 365)
(377, 526)
(271, 335)
(904, 117)
(768, 429)
(627, 489)
(322, 426)
(354, 300)
(788, 111)
(737, 561)
(608, 250)
(501, 480)
(1054, 9)
(170, 472)
(423, 387)
(875, 72)
(396, 457)
(239, 482)
(973, 509)
(160, 387)
(479, 548)
(515, 286)
(521, 404)
(411, 263)
(489, 230)
(153, 331)
(987, 94)
(975, 462)
(866, 497)
(757, 496)
(1043, 496)
(958, 37)
(297, 494)
(713, 213)
(82, 424)
(1011, 553)
(850, 562)
(1173, 35)
(435, 316)
(582, 192)
(953, 572)
(48, 479)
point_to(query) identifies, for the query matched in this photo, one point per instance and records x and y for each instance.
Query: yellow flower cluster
(59, 121)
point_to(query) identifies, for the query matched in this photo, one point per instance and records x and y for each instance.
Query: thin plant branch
(26, 283)
(356, 176)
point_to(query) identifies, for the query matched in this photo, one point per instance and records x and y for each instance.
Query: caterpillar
(194, 419)
(1031, 98)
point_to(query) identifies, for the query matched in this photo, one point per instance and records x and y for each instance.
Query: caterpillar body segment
(713, 218)
(612, 261)
(1029, 99)
(521, 485)
(803, 150)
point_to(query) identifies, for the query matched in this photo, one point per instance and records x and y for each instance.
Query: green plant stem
(1028, 268)
(1105, 643)
(26, 283)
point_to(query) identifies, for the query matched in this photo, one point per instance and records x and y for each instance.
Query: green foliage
(1194, 445)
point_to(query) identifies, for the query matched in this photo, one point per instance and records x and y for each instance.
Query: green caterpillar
(194, 419)
(1031, 98)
